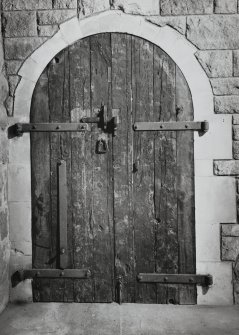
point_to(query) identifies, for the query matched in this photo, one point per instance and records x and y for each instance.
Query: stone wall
(211, 25)
(4, 231)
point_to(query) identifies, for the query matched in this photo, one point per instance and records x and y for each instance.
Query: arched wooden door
(130, 195)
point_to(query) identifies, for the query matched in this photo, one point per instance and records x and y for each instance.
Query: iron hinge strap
(163, 278)
(201, 126)
(21, 275)
(19, 128)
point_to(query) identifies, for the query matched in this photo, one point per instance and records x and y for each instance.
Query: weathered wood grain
(185, 190)
(122, 165)
(82, 170)
(101, 213)
(143, 182)
(40, 165)
(165, 176)
(56, 75)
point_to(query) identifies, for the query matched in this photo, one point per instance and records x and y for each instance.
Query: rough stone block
(228, 229)
(21, 48)
(19, 182)
(3, 224)
(3, 185)
(226, 104)
(235, 119)
(236, 63)
(213, 32)
(225, 86)
(206, 250)
(225, 6)
(178, 23)
(23, 291)
(221, 292)
(235, 149)
(19, 150)
(4, 141)
(229, 248)
(236, 292)
(88, 7)
(235, 132)
(26, 4)
(149, 7)
(216, 63)
(47, 30)
(20, 221)
(13, 82)
(9, 102)
(57, 4)
(217, 142)
(12, 66)
(215, 199)
(172, 7)
(55, 16)
(19, 24)
(226, 167)
(4, 271)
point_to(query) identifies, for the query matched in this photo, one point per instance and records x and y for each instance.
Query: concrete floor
(112, 319)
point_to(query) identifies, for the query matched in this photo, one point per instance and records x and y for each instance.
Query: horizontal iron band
(49, 127)
(177, 125)
(204, 280)
(21, 275)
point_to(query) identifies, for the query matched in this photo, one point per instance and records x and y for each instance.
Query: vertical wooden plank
(166, 248)
(185, 190)
(56, 74)
(62, 213)
(122, 165)
(40, 167)
(82, 170)
(143, 180)
(101, 211)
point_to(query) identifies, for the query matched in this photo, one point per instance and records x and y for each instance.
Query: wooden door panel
(131, 209)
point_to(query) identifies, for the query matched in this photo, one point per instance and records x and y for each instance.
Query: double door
(130, 194)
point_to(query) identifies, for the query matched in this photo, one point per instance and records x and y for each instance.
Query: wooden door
(130, 209)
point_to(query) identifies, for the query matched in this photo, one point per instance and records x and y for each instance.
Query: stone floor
(108, 319)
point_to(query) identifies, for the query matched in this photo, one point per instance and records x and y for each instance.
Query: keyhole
(135, 168)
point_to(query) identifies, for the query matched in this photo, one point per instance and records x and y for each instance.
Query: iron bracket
(165, 278)
(201, 126)
(21, 275)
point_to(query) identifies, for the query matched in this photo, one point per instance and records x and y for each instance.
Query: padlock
(101, 146)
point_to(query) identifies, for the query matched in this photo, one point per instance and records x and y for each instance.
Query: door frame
(215, 144)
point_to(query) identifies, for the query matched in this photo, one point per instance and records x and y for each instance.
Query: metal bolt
(190, 280)
(62, 274)
(186, 126)
(58, 127)
(135, 127)
(165, 278)
(38, 273)
(88, 273)
(161, 126)
(34, 127)
(63, 251)
(140, 278)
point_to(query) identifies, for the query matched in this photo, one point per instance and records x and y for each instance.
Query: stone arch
(206, 185)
